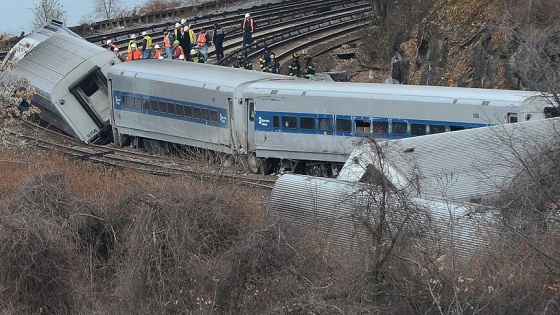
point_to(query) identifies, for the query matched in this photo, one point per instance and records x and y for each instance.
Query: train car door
(250, 105)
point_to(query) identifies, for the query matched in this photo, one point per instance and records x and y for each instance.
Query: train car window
(188, 111)
(380, 127)
(344, 125)
(129, 102)
(399, 128)
(162, 107)
(512, 118)
(138, 103)
(289, 122)
(89, 86)
(205, 114)
(214, 115)
(455, 128)
(251, 110)
(325, 124)
(196, 113)
(230, 103)
(437, 129)
(154, 106)
(361, 126)
(276, 122)
(146, 105)
(179, 110)
(417, 129)
(307, 123)
(171, 108)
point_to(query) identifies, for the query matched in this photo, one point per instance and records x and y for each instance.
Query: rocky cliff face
(474, 43)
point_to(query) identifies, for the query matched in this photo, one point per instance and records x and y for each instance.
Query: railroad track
(276, 23)
(133, 160)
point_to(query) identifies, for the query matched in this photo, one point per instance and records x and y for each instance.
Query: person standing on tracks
(157, 52)
(248, 27)
(202, 41)
(246, 62)
(308, 67)
(265, 58)
(111, 46)
(218, 40)
(197, 56)
(118, 54)
(178, 50)
(168, 39)
(134, 53)
(294, 69)
(184, 39)
(146, 45)
(273, 65)
(131, 41)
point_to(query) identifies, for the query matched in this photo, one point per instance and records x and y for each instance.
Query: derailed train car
(283, 123)
(69, 77)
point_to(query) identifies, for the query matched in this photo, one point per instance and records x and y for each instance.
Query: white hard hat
(109, 41)
(160, 57)
(182, 57)
(247, 15)
(116, 49)
(133, 46)
(183, 21)
(156, 46)
(177, 25)
(144, 33)
(133, 36)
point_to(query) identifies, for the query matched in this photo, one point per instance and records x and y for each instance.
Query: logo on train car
(263, 122)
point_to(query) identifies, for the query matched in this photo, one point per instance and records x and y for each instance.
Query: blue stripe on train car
(171, 109)
(352, 126)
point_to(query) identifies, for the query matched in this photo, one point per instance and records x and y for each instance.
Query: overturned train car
(69, 77)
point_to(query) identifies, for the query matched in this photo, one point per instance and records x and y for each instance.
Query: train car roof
(458, 165)
(395, 92)
(30, 41)
(167, 70)
(54, 59)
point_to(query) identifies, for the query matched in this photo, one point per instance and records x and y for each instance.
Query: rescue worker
(157, 52)
(308, 67)
(177, 50)
(218, 40)
(110, 45)
(134, 53)
(168, 39)
(273, 66)
(248, 27)
(131, 41)
(192, 36)
(118, 54)
(202, 42)
(237, 62)
(196, 56)
(146, 45)
(246, 62)
(265, 58)
(294, 69)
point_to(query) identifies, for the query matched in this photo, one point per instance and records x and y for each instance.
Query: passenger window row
(170, 108)
(360, 126)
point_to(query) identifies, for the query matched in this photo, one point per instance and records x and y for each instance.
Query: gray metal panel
(54, 59)
(457, 165)
(330, 208)
(189, 73)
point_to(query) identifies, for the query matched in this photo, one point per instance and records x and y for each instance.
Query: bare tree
(47, 10)
(107, 9)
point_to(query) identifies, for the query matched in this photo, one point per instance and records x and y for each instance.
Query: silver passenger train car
(69, 77)
(285, 123)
